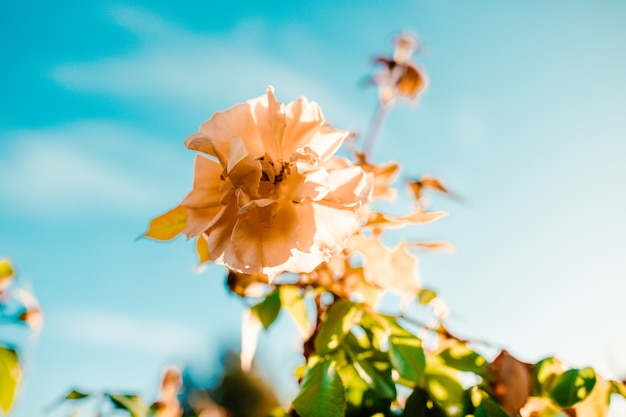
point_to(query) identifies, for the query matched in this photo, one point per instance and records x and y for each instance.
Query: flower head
(400, 77)
(268, 195)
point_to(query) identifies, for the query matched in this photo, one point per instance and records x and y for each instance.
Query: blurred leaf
(597, 403)
(573, 386)
(340, 318)
(618, 387)
(419, 404)
(489, 408)
(423, 183)
(322, 393)
(268, 309)
(543, 374)
(460, 356)
(407, 357)
(377, 219)
(442, 383)
(374, 369)
(131, 403)
(76, 395)
(6, 270)
(511, 382)
(10, 375)
(168, 225)
(542, 407)
(361, 399)
(292, 300)
(425, 296)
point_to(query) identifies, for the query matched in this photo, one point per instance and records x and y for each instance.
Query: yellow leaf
(6, 274)
(10, 374)
(168, 225)
(202, 248)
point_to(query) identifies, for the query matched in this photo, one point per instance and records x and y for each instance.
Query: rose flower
(268, 195)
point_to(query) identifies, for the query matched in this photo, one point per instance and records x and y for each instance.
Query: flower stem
(377, 122)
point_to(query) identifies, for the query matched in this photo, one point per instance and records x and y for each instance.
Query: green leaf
(372, 366)
(573, 386)
(76, 395)
(268, 309)
(442, 383)
(129, 402)
(407, 357)
(419, 404)
(322, 393)
(10, 374)
(489, 408)
(543, 374)
(461, 357)
(292, 300)
(340, 318)
(425, 296)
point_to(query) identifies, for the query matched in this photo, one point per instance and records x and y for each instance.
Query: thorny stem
(377, 122)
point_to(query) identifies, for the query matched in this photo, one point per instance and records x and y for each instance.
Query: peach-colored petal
(219, 232)
(387, 268)
(349, 187)
(264, 236)
(306, 127)
(198, 220)
(306, 183)
(269, 115)
(206, 185)
(243, 169)
(223, 126)
(324, 228)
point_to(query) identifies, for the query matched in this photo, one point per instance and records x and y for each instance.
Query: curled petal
(243, 169)
(206, 185)
(349, 187)
(264, 236)
(324, 228)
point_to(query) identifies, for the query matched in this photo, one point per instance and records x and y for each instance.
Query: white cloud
(127, 332)
(201, 69)
(87, 168)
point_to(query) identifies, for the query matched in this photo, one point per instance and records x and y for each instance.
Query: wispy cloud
(91, 167)
(194, 69)
(127, 332)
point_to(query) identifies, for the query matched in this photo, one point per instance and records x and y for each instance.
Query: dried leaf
(436, 245)
(419, 186)
(511, 384)
(380, 220)
(168, 225)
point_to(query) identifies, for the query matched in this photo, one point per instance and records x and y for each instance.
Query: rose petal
(326, 226)
(243, 169)
(206, 185)
(349, 187)
(263, 237)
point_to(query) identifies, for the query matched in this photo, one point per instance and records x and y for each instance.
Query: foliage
(18, 308)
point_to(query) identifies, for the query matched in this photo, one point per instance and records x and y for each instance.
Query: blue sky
(524, 118)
